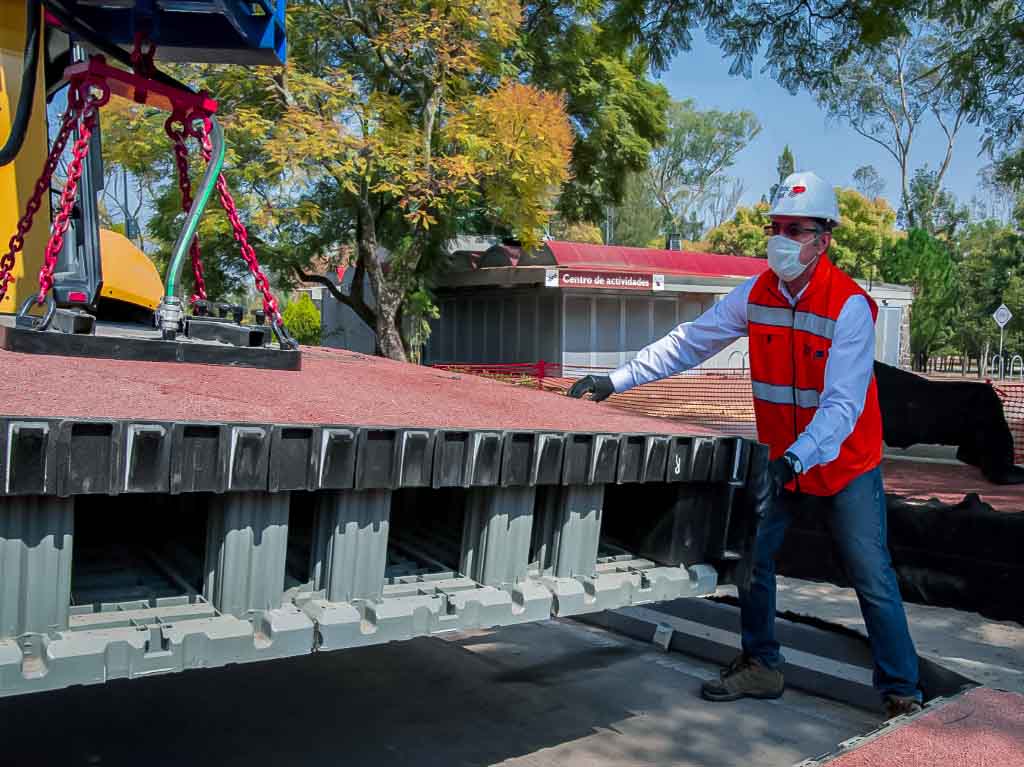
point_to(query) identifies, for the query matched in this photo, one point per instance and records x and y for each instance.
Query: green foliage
(868, 181)
(302, 319)
(390, 122)
(990, 271)
(744, 234)
(785, 166)
(925, 263)
(934, 209)
(701, 146)
(866, 232)
(638, 220)
(617, 111)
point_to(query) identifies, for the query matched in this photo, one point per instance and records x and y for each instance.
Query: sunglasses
(790, 230)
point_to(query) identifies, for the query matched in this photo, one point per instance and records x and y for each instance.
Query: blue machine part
(201, 31)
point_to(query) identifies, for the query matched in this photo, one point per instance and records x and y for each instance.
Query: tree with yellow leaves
(391, 122)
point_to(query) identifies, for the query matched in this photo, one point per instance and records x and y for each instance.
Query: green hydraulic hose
(181, 245)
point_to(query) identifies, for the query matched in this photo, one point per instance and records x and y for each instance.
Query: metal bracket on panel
(416, 458)
(467, 458)
(703, 457)
(632, 458)
(377, 459)
(547, 460)
(294, 458)
(680, 459)
(517, 458)
(88, 457)
(249, 457)
(739, 461)
(199, 457)
(590, 459)
(655, 458)
(29, 452)
(604, 461)
(337, 459)
(146, 458)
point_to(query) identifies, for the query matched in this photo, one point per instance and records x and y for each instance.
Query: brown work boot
(901, 705)
(745, 677)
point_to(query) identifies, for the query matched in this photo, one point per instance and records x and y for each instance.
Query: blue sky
(831, 149)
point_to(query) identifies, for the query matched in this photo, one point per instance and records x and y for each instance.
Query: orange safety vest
(789, 347)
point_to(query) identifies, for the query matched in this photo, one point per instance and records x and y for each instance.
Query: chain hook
(142, 61)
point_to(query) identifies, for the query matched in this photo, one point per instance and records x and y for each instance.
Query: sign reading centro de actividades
(577, 278)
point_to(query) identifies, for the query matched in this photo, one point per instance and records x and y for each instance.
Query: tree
(744, 234)
(617, 111)
(785, 166)
(934, 209)
(700, 146)
(868, 181)
(582, 231)
(866, 233)
(303, 320)
(925, 263)
(638, 220)
(990, 271)
(390, 121)
(885, 95)
(724, 195)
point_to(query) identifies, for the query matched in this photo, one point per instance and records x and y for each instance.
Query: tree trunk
(389, 299)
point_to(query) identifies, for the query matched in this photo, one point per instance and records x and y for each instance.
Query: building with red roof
(595, 306)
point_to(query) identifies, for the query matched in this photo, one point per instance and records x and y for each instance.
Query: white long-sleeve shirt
(847, 373)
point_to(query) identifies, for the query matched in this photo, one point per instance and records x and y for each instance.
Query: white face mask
(784, 257)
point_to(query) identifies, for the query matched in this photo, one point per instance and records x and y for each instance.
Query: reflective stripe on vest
(814, 324)
(770, 315)
(776, 317)
(785, 395)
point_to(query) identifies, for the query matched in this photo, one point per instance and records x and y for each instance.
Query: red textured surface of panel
(983, 728)
(333, 387)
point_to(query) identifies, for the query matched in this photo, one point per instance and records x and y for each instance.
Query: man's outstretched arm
(686, 346)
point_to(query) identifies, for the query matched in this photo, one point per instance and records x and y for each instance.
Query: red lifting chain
(91, 84)
(83, 101)
(185, 185)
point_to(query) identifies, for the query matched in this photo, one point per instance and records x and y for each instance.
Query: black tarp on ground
(968, 556)
(966, 414)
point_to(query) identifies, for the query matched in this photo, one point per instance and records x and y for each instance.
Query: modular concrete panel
(35, 564)
(350, 543)
(246, 548)
(496, 535)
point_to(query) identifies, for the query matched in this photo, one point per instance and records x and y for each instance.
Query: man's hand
(780, 474)
(600, 388)
(767, 486)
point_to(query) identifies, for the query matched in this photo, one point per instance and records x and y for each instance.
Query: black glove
(767, 486)
(780, 474)
(601, 388)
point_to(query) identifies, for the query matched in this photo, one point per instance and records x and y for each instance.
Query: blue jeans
(856, 518)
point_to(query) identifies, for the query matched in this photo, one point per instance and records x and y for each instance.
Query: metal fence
(718, 398)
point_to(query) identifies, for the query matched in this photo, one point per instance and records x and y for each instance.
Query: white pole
(1001, 329)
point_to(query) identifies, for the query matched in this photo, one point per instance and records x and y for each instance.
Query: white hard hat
(806, 194)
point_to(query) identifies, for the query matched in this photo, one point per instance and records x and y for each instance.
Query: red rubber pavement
(334, 386)
(983, 728)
